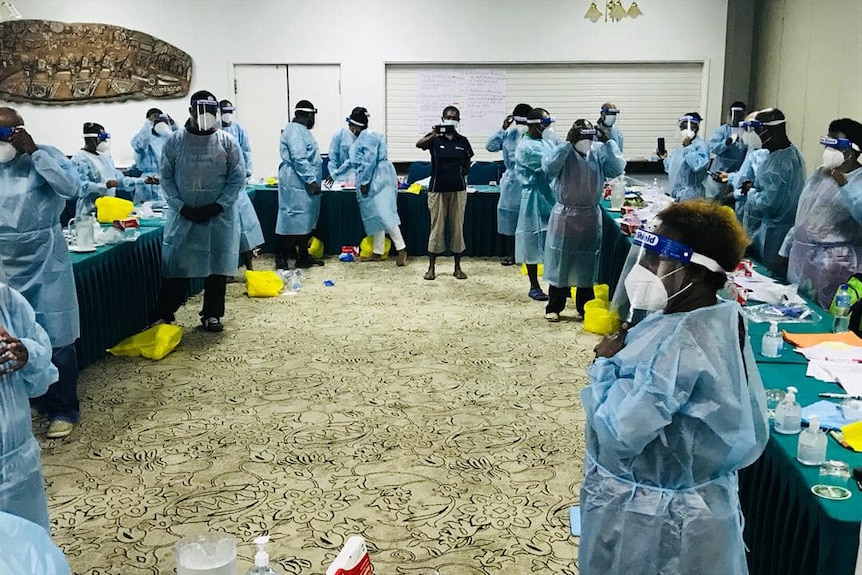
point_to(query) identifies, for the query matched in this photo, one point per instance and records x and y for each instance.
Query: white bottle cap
(790, 397)
(261, 558)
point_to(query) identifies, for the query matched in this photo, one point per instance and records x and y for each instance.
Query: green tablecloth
(117, 287)
(340, 223)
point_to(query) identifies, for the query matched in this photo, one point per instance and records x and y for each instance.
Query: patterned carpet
(441, 420)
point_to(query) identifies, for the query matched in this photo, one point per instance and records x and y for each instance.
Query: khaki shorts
(446, 208)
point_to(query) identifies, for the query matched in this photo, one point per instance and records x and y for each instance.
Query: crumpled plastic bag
(599, 319)
(153, 343)
(109, 208)
(26, 549)
(315, 247)
(366, 247)
(263, 283)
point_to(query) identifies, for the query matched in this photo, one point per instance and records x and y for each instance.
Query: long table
(788, 530)
(117, 287)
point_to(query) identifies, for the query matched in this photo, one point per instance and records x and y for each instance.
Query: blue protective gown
(748, 171)
(340, 168)
(770, 208)
(827, 237)
(95, 170)
(26, 548)
(727, 158)
(148, 148)
(22, 490)
(241, 136)
(671, 418)
(198, 170)
(510, 187)
(369, 161)
(33, 194)
(686, 169)
(616, 135)
(537, 198)
(301, 165)
(575, 226)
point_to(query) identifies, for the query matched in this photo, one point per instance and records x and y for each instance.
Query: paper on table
(846, 373)
(832, 350)
(810, 339)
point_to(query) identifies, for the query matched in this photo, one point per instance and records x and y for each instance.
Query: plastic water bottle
(841, 309)
(296, 281)
(772, 344)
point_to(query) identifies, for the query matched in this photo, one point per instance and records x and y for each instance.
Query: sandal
(459, 274)
(430, 275)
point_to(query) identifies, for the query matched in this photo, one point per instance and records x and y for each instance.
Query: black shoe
(212, 324)
(281, 263)
(308, 261)
(507, 261)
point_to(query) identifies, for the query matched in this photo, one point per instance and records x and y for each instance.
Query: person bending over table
(674, 408)
(447, 195)
(148, 144)
(339, 150)
(299, 177)
(376, 188)
(35, 182)
(202, 176)
(578, 170)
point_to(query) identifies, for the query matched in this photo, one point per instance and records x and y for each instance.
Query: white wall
(808, 63)
(362, 36)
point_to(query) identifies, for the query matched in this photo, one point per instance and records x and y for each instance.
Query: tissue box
(126, 224)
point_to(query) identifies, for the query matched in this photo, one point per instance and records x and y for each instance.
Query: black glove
(192, 214)
(364, 188)
(210, 211)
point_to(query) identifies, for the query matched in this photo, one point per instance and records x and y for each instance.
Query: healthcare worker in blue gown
(203, 174)
(250, 232)
(772, 199)
(299, 178)
(376, 187)
(506, 139)
(578, 169)
(26, 549)
(826, 244)
(686, 166)
(675, 407)
(537, 197)
(727, 147)
(35, 182)
(25, 371)
(147, 145)
(339, 166)
(99, 177)
(607, 123)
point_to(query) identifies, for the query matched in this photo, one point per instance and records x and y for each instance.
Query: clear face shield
(162, 126)
(757, 133)
(206, 114)
(227, 113)
(542, 123)
(610, 115)
(687, 127)
(103, 141)
(838, 150)
(654, 274)
(736, 116)
(584, 139)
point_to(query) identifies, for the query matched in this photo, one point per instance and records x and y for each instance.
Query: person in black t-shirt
(447, 194)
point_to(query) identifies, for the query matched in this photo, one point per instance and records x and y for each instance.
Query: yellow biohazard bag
(153, 343)
(541, 271)
(263, 283)
(109, 209)
(366, 247)
(600, 291)
(599, 319)
(315, 247)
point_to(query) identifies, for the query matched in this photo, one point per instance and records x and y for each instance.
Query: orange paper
(810, 339)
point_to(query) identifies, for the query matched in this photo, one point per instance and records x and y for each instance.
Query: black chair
(418, 171)
(483, 173)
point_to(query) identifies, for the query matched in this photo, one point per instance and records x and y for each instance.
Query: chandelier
(613, 12)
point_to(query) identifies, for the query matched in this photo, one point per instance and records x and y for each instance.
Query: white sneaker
(552, 317)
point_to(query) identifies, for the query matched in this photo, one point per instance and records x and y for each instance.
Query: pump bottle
(788, 414)
(261, 558)
(812, 444)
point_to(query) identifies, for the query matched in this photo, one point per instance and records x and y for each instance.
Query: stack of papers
(833, 361)
(764, 288)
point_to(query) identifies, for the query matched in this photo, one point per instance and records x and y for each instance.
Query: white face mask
(206, 121)
(686, 133)
(583, 146)
(521, 128)
(832, 158)
(104, 147)
(162, 129)
(549, 129)
(227, 118)
(453, 123)
(645, 290)
(7, 152)
(610, 120)
(754, 141)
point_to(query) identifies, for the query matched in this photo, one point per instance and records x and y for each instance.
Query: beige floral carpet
(440, 420)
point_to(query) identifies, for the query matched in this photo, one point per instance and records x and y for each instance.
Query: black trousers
(173, 295)
(557, 298)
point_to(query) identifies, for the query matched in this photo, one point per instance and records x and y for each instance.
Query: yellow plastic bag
(153, 343)
(524, 269)
(263, 283)
(600, 292)
(315, 247)
(109, 209)
(415, 188)
(366, 247)
(599, 319)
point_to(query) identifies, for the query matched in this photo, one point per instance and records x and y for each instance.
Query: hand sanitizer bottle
(788, 414)
(261, 558)
(812, 444)
(772, 344)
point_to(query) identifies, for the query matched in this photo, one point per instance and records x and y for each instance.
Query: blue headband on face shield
(674, 250)
(838, 143)
(543, 121)
(610, 111)
(6, 132)
(101, 136)
(692, 119)
(590, 133)
(205, 104)
(227, 109)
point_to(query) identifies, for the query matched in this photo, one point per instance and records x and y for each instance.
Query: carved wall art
(47, 62)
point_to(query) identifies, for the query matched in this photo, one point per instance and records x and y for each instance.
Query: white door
(262, 109)
(321, 85)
